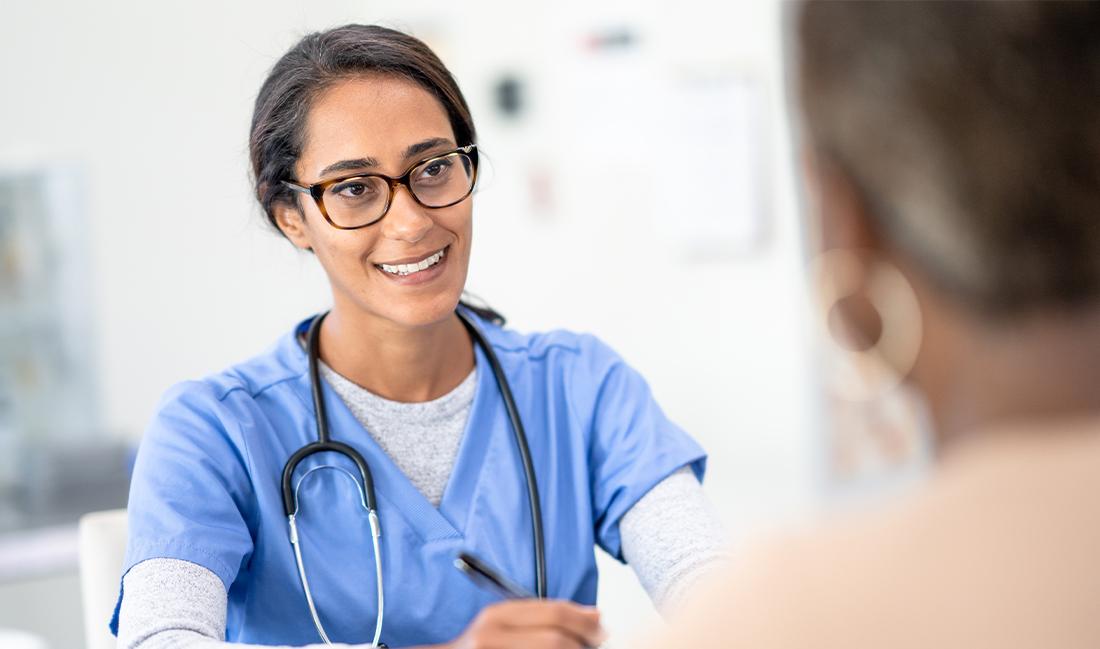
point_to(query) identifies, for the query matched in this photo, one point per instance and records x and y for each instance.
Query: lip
(413, 258)
(421, 277)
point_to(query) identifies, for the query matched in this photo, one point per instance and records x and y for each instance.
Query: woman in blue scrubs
(209, 556)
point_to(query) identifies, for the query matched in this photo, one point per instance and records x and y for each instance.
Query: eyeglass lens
(438, 182)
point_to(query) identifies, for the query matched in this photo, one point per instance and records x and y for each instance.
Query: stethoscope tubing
(367, 494)
(324, 441)
(524, 454)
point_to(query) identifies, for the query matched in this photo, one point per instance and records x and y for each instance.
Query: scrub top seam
(541, 356)
(291, 374)
(255, 497)
(253, 494)
(589, 436)
(259, 391)
(306, 403)
(597, 399)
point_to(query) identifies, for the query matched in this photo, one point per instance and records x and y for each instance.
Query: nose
(406, 219)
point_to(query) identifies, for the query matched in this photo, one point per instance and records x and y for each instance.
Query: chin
(422, 312)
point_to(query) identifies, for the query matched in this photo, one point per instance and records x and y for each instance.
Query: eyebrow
(419, 148)
(413, 150)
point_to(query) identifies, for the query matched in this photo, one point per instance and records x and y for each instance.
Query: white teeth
(409, 269)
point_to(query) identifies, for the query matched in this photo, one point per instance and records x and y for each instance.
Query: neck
(408, 364)
(990, 375)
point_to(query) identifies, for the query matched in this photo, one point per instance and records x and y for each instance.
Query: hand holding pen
(523, 620)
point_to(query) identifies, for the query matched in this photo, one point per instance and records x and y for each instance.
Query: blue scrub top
(206, 489)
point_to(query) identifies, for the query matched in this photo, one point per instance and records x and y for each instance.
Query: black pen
(481, 574)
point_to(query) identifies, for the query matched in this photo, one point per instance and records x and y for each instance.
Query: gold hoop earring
(863, 375)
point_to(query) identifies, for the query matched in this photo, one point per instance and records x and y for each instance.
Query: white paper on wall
(711, 203)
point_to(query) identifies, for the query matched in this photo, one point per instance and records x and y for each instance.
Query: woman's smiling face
(383, 125)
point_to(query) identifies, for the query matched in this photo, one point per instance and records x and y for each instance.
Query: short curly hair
(972, 130)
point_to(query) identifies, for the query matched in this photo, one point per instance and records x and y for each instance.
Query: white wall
(155, 98)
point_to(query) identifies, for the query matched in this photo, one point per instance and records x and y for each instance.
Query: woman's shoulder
(281, 362)
(816, 586)
(552, 346)
(921, 568)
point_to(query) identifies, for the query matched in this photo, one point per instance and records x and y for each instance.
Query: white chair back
(10, 639)
(102, 549)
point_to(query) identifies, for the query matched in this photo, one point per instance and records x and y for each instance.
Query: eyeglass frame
(317, 190)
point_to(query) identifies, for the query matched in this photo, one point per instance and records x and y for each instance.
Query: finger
(582, 622)
(541, 638)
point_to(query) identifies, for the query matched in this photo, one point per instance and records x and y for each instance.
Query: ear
(839, 220)
(292, 223)
(840, 214)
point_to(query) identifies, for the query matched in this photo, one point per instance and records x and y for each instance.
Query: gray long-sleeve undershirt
(668, 537)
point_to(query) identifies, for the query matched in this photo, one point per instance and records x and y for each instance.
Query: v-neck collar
(397, 495)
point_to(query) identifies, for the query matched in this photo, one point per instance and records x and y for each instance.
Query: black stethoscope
(366, 482)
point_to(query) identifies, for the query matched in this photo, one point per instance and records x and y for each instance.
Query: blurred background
(640, 185)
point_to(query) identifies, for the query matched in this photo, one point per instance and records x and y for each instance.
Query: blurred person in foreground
(952, 153)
